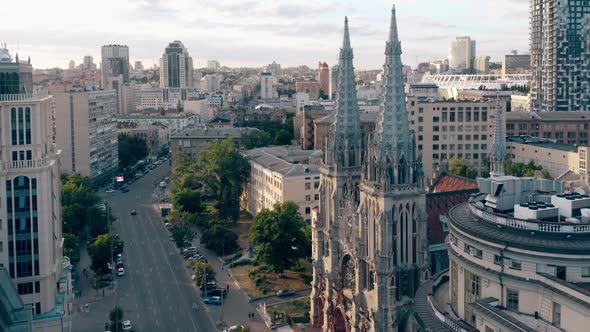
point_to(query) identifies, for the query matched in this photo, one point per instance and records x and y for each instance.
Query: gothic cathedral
(369, 233)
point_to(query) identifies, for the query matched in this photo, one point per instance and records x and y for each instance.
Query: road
(156, 293)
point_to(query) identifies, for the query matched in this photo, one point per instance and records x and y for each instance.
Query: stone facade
(369, 233)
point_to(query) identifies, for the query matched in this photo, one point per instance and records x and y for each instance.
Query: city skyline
(290, 33)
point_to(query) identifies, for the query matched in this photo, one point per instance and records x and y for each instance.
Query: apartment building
(447, 130)
(561, 127)
(279, 174)
(86, 123)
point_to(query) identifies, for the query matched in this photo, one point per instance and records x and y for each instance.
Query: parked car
(234, 328)
(217, 292)
(120, 265)
(127, 326)
(138, 174)
(125, 190)
(285, 293)
(133, 212)
(110, 190)
(216, 300)
(120, 271)
(106, 277)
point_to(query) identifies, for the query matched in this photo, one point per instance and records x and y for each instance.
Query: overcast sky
(256, 32)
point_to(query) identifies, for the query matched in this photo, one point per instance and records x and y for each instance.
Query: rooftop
(547, 116)
(531, 140)
(286, 162)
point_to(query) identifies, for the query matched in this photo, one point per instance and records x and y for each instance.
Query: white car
(110, 190)
(127, 326)
(233, 328)
(121, 271)
(194, 277)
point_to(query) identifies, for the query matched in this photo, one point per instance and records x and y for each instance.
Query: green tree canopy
(279, 236)
(72, 247)
(78, 200)
(224, 171)
(220, 239)
(181, 234)
(188, 200)
(458, 167)
(131, 149)
(256, 139)
(100, 251)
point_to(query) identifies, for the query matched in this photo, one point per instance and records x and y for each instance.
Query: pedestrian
(103, 293)
(87, 307)
(227, 289)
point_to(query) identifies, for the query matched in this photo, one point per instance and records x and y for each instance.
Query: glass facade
(20, 125)
(22, 226)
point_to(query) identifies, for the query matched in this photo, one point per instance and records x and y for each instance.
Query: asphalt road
(156, 293)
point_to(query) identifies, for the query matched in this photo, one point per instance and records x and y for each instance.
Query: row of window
(458, 117)
(27, 288)
(444, 138)
(436, 147)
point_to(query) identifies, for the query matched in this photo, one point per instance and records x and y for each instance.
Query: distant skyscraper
(176, 67)
(324, 78)
(72, 65)
(15, 77)
(560, 49)
(267, 86)
(482, 64)
(462, 54)
(88, 63)
(31, 228)
(114, 62)
(213, 64)
(334, 76)
(138, 66)
(275, 69)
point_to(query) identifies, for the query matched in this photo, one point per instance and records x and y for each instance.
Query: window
(307, 198)
(515, 265)
(37, 287)
(420, 119)
(586, 271)
(435, 119)
(452, 116)
(460, 116)
(308, 186)
(474, 284)
(420, 128)
(454, 239)
(435, 138)
(466, 248)
(435, 128)
(498, 260)
(316, 197)
(556, 314)
(316, 185)
(420, 138)
(26, 288)
(307, 210)
(468, 116)
(477, 253)
(511, 299)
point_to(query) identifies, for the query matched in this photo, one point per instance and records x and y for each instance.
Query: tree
(77, 199)
(181, 234)
(100, 251)
(188, 200)
(116, 318)
(72, 247)
(203, 271)
(458, 167)
(283, 137)
(256, 139)
(224, 171)
(220, 239)
(279, 235)
(131, 149)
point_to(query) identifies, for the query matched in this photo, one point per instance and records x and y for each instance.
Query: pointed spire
(498, 148)
(393, 26)
(346, 39)
(344, 144)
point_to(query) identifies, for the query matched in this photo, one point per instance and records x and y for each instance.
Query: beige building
(279, 174)
(30, 226)
(562, 127)
(447, 130)
(86, 123)
(556, 158)
(520, 103)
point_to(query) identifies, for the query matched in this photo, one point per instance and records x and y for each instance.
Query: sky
(254, 33)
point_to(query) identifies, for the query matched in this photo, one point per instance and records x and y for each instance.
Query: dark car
(106, 277)
(133, 212)
(217, 292)
(125, 190)
(285, 293)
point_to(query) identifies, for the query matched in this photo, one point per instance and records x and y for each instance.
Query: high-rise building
(462, 54)
(72, 65)
(334, 76)
(268, 88)
(369, 236)
(114, 62)
(88, 63)
(213, 64)
(138, 66)
(86, 123)
(176, 67)
(324, 78)
(560, 49)
(275, 69)
(15, 76)
(515, 63)
(482, 64)
(31, 233)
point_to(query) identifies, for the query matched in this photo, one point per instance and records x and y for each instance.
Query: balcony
(23, 164)
(24, 96)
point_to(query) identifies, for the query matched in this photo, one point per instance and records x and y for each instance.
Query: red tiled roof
(448, 182)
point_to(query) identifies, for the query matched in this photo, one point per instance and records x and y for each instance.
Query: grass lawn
(269, 282)
(296, 309)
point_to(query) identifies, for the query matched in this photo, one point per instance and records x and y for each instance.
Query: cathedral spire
(394, 150)
(343, 148)
(498, 148)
